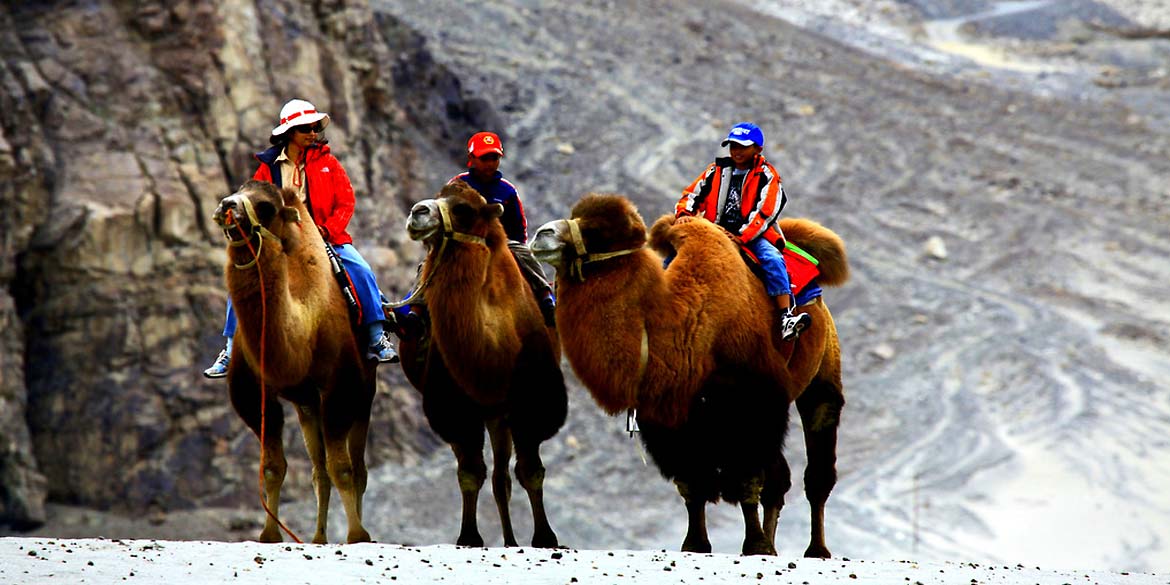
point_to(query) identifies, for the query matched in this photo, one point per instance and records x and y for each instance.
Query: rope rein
(264, 233)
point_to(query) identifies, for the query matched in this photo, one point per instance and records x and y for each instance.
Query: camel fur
(712, 387)
(488, 361)
(311, 356)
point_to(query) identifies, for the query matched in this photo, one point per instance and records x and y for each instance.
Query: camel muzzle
(546, 244)
(423, 221)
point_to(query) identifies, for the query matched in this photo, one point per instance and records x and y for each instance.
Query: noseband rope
(583, 257)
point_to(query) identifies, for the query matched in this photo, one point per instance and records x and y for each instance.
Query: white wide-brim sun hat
(299, 113)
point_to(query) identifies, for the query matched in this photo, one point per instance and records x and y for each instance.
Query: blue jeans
(776, 280)
(364, 285)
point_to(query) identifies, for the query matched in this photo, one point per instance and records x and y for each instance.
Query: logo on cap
(745, 134)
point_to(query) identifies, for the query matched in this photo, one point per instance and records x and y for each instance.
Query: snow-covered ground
(41, 560)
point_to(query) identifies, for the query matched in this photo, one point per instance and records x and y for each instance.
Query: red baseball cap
(482, 143)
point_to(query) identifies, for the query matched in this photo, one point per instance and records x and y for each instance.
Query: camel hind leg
(310, 418)
(356, 441)
(820, 413)
(501, 440)
(244, 392)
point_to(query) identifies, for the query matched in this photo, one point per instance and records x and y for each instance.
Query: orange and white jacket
(760, 205)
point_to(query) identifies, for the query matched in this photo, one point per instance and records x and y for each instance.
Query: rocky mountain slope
(1004, 334)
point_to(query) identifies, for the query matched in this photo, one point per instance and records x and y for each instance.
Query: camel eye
(265, 211)
(463, 213)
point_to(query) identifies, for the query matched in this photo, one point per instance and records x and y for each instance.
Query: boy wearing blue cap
(742, 193)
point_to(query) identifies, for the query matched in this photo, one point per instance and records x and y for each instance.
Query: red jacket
(760, 205)
(328, 193)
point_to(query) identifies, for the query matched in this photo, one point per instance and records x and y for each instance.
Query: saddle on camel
(695, 354)
(486, 359)
(295, 341)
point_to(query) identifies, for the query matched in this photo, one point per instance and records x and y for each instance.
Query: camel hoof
(359, 535)
(319, 538)
(818, 552)
(761, 548)
(545, 540)
(272, 535)
(470, 540)
(697, 547)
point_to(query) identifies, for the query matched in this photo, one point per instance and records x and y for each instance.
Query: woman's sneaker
(382, 351)
(220, 367)
(792, 324)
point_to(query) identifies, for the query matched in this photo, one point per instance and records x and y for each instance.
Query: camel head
(257, 208)
(458, 210)
(601, 226)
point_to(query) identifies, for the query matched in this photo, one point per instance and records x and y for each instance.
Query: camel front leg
(746, 487)
(777, 482)
(820, 413)
(530, 473)
(755, 541)
(310, 417)
(696, 540)
(472, 472)
(501, 440)
(266, 420)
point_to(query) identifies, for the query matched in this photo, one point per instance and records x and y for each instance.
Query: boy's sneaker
(792, 324)
(548, 308)
(220, 367)
(382, 351)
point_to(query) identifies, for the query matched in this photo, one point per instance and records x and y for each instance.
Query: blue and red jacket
(760, 204)
(328, 192)
(499, 190)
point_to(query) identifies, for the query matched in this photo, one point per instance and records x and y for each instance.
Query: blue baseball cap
(745, 133)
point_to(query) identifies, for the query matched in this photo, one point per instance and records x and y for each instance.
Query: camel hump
(824, 245)
(659, 241)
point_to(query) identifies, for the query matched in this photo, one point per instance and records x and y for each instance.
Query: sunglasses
(306, 128)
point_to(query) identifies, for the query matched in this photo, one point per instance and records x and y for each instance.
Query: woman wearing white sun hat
(299, 159)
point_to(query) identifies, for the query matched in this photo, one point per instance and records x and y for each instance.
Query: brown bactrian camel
(488, 360)
(279, 278)
(695, 351)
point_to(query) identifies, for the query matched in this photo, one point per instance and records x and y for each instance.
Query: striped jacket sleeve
(692, 196)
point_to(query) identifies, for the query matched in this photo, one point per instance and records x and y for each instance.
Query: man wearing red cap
(484, 151)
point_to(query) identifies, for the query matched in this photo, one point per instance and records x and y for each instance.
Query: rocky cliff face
(121, 125)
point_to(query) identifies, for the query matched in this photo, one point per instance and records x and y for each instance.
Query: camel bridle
(256, 230)
(577, 268)
(447, 235)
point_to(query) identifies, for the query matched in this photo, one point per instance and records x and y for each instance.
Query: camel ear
(493, 211)
(290, 214)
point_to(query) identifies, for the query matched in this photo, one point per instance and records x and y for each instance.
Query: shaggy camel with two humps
(695, 351)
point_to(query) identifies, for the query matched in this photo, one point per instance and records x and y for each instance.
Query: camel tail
(824, 245)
